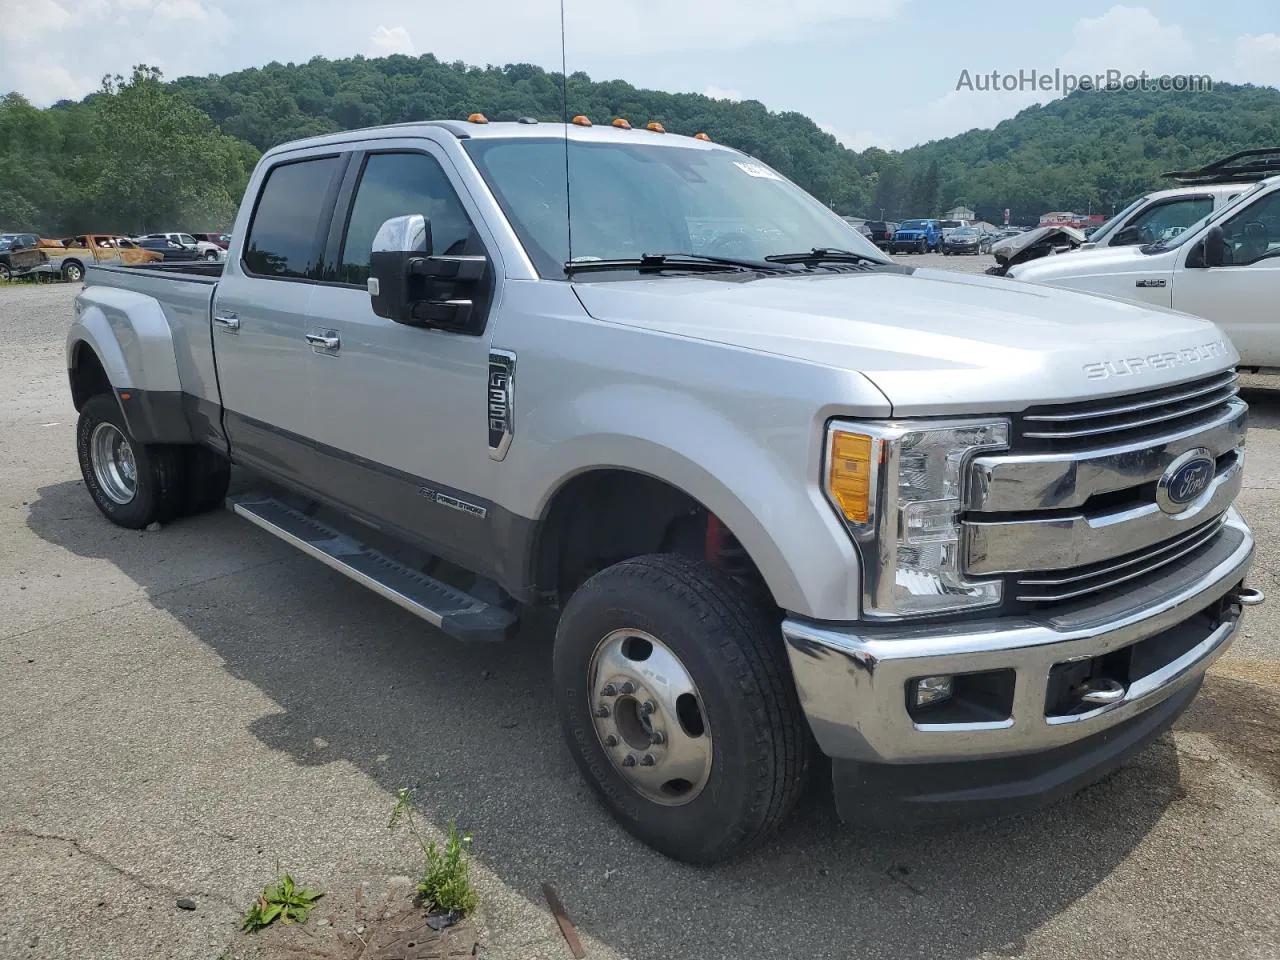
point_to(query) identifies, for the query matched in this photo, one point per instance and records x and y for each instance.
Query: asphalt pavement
(184, 712)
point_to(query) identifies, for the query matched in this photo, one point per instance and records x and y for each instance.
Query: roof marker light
(581, 121)
(656, 127)
(622, 124)
(701, 136)
(477, 118)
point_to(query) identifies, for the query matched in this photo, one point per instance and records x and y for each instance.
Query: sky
(886, 73)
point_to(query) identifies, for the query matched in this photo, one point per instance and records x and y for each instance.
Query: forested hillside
(142, 152)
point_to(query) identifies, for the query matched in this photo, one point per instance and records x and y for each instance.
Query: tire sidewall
(709, 821)
(72, 272)
(139, 511)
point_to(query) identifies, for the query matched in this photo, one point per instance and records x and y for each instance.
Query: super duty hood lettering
(1168, 359)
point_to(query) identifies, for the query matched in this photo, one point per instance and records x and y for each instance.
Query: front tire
(132, 484)
(5, 273)
(73, 271)
(678, 705)
(211, 255)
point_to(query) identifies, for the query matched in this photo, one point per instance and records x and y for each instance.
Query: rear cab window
(290, 219)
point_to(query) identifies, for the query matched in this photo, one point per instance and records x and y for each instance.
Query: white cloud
(720, 93)
(55, 83)
(1257, 59)
(183, 10)
(34, 18)
(1125, 39)
(856, 139)
(384, 42)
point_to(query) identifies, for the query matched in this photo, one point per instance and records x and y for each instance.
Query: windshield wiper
(823, 255)
(670, 261)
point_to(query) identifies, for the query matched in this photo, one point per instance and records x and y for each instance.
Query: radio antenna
(564, 102)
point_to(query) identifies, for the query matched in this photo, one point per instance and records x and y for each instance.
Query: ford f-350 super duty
(972, 539)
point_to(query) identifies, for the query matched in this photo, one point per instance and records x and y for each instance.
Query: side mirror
(409, 285)
(1128, 236)
(1215, 247)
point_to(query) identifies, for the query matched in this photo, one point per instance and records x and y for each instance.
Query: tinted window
(396, 185)
(1253, 234)
(283, 235)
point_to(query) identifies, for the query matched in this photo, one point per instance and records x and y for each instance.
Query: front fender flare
(767, 490)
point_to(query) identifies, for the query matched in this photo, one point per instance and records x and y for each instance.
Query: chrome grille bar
(1100, 577)
(1121, 419)
(1227, 379)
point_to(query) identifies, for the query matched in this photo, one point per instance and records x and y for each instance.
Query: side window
(1166, 220)
(126, 244)
(395, 185)
(283, 237)
(1253, 234)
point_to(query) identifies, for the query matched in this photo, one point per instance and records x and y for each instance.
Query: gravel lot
(181, 711)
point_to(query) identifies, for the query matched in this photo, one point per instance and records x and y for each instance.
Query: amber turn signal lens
(477, 118)
(581, 121)
(656, 127)
(849, 476)
(622, 124)
(701, 136)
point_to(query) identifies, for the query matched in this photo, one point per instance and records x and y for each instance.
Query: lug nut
(647, 760)
(628, 761)
(602, 711)
(657, 738)
(609, 690)
(611, 741)
(627, 688)
(647, 708)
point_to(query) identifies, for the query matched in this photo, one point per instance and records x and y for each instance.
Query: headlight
(898, 487)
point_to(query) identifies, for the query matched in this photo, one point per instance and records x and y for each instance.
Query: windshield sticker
(756, 170)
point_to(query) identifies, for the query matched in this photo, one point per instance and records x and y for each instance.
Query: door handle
(1149, 283)
(228, 321)
(324, 341)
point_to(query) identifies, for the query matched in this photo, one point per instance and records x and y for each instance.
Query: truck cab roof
(503, 130)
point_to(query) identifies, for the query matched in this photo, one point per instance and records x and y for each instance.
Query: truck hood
(1086, 263)
(933, 342)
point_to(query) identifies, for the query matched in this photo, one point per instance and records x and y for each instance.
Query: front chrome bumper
(853, 679)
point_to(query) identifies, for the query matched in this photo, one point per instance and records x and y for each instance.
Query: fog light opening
(930, 690)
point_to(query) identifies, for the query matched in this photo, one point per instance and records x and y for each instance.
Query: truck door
(261, 315)
(1240, 295)
(404, 407)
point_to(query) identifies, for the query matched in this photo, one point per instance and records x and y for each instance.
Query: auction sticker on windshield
(756, 170)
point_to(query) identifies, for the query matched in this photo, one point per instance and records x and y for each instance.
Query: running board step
(458, 614)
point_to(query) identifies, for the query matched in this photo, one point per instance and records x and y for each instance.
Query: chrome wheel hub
(649, 717)
(113, 464)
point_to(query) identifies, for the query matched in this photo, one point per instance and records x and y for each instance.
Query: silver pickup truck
(971, 539)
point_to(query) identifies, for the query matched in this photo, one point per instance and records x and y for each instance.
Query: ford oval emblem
(1187, 478)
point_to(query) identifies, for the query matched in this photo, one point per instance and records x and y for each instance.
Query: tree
(162, 161)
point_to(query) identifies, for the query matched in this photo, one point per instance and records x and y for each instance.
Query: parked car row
(25, 254)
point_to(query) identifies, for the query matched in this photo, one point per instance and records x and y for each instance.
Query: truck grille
(1094, 423)
(1061, 585)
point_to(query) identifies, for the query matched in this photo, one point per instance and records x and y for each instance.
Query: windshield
(965, 232)
(948, 224)
(6, 242)
(629, 200)
(915, 225)
(1174, 242)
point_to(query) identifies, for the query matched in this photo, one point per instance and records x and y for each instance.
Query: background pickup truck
(79, 252)
(974, 540)
(1225, 267)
